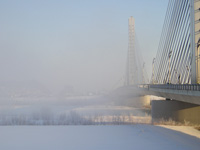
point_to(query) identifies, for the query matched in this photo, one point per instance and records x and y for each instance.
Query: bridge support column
(175, 110)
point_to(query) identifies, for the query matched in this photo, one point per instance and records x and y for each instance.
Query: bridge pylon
(134, 69)
(195, 19)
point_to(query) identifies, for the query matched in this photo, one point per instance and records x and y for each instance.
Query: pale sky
(82, 43)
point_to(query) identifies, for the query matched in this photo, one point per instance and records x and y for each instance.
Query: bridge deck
(189, 93)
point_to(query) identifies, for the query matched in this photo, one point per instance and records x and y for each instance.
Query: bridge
(176, 67)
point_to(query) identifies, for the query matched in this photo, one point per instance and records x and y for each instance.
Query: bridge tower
(131, 66)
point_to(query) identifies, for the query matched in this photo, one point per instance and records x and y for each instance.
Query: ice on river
(130, 137)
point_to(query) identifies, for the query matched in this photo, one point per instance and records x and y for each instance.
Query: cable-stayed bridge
(176, 59)
(176, 67)
(176, 72)
(135, 67)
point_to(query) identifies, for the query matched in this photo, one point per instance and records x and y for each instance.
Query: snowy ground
(85, 111)
(94, 138)
(184, 129)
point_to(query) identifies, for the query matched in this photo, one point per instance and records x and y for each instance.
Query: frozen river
(94, 138)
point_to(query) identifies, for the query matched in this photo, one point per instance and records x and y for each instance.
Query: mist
(65, 43)
(66, 57)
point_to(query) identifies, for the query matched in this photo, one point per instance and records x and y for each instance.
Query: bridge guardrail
(190, 87)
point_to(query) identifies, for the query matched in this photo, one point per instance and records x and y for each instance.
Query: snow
(185, 129)
(94, 138)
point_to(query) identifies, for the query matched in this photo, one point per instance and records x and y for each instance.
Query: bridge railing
(190, 87)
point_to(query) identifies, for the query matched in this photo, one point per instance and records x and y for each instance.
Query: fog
(52, 50)
(73, 43)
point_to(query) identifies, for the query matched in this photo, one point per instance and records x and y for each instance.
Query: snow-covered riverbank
(184, 129)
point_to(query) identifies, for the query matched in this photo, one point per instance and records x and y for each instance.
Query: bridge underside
(192, 97)
(188, 96)
(176, 111)
(183, 106)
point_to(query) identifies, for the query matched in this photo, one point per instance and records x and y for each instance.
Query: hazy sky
(82, 43)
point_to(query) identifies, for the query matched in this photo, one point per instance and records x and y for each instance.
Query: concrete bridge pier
(175, 110)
